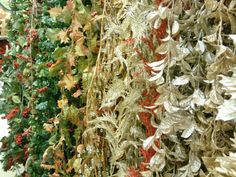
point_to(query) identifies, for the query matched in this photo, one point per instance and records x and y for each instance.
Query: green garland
(48, 58)
(29, 93)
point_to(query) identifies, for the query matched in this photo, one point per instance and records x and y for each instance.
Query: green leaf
(43, 73)
(5, 4)
(16, 99)
(60, 52)
(52, 140)
(53, 71)
(18, 26)
(17, 121)
(65, 16)
(52, 34)
(21, 41)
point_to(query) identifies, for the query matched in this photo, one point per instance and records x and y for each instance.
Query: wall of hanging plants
(126, 88)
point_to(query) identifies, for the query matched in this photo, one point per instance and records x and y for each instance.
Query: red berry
(26, 112)
(19, 77)
(42, 90)
(49, 64)
(12, 113)
(15, 64)
(18, 139)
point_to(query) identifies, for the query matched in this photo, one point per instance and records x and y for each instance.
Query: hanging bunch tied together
(23, 74)
(14, 102)
(121, 112)
(75, 57)
(190, 90)
(177, 86)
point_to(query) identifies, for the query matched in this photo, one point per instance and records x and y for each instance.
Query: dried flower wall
(140, 88)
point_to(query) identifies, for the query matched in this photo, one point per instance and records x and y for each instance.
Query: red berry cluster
(15, 64)
(22, 57)
(12, 113)
(18, 139)
(34, 33)
(19, 76)
(31, 36)
(42, 90)
(26, 112)
(49, 64)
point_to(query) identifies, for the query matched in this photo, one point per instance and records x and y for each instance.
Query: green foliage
(25, 73)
